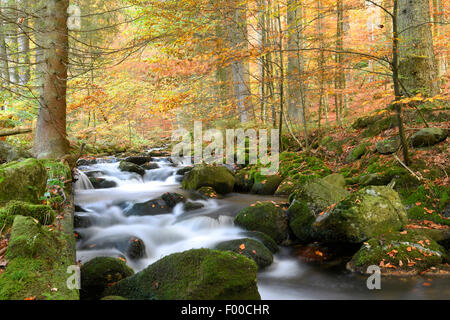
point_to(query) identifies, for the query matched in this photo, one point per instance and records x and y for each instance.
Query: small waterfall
(82, 181)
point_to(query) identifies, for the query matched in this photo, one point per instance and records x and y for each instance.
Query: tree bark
(24, 42)
(51, 138)
(417, 61)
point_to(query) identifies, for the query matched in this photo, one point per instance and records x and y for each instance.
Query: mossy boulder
(286, 187)
(172, 199)
(99, 274)
(25, 181)
(10, 153)
(250, 248)
(309, 200)
(131, 167)
(265, 217)
(267, 185)
(149, 208)
(335, 179)
(366, 213)
(375, 179)
(208, 192)
(243, 181)
(139, 160)
(44, 214)
(217, 177)
(357, 152)
(388, 146)
(428, 137)
(267, 241)
(198, 274)
(381, 123)
(100, 183)
(39, 258)
(403, 253)
(113, 298)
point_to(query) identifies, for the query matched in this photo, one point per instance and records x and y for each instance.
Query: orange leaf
(242, 246)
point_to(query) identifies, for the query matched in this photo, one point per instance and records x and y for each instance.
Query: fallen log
(15, 131)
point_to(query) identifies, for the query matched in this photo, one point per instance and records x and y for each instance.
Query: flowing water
(289, 277)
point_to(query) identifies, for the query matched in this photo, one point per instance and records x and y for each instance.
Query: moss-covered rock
(99, 274)
(44, 214)
(250, 248)
(267, 186)
(428, 137)
(364, 214)
(39, 258)
(113, 298)
(309, 200)
(208, 192)
(131, 167)
(381, 124)
(199, 274)
(10, 153)
(388, 146)
(190, 206)
(402, 253)
(264, 239)
(335, 179)
(217, 177)
(286, 187)
(149, 208)
(357, 152)
(243, 181)
(265, 217)
(25, 181)
(172, 199)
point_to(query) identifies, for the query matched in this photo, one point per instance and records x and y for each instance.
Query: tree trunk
(417, 61)
(24, 42)
(50, 138)
(4, 54)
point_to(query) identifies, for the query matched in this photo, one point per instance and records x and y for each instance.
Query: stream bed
(289, 277)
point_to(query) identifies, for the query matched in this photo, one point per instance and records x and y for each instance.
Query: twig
(406, 167)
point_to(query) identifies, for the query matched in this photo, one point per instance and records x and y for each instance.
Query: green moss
(265, 217)
(411, 251)
(264, 239)
(44, 214)
(250, 248)
(301, 220)
(99, 274)
(266, 185)
(38, 262)
(217, 177)
(24, 181)
(199, 274)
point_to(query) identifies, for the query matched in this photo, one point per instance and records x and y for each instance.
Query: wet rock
(267, 186)
(100, 183)
(86, 162)
(132, 247)
(364, 214)
(81, 221)
(217, 177)
(388, 146)
(131, 167)
(190, 206)
(183, 171)
(150, 166)
(79, 209)
(99, 274)
(286, 187)
(199, 274)
(250, 248)
(139, 160)
(94, 173)
(243, 182)
(208, 192)
(172, 199)
(265, 217)
(25, 181)
(428, 137)
(149, 208)
(135, 249)
(10, 153)
(375, 179)
(264, 239)
(402, 253)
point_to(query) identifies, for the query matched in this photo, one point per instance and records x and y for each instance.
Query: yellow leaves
(242, 247)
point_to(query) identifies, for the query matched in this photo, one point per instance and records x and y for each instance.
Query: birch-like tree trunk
(24, 41)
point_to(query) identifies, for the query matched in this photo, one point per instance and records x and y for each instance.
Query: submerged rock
(265, 217)
(149, 208)
(364, 214)
(401, 253)
(26, 181)
(250, 248)
(208, 192)
(199, 274)
(172, 199)
(100, 273)
(217, 177)
(131, 167)
(268, 185)
(428, 137)
(190, 206)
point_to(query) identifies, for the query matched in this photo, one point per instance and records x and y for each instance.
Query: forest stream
(289, 277)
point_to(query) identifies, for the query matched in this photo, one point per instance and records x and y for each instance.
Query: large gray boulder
(428, 137)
